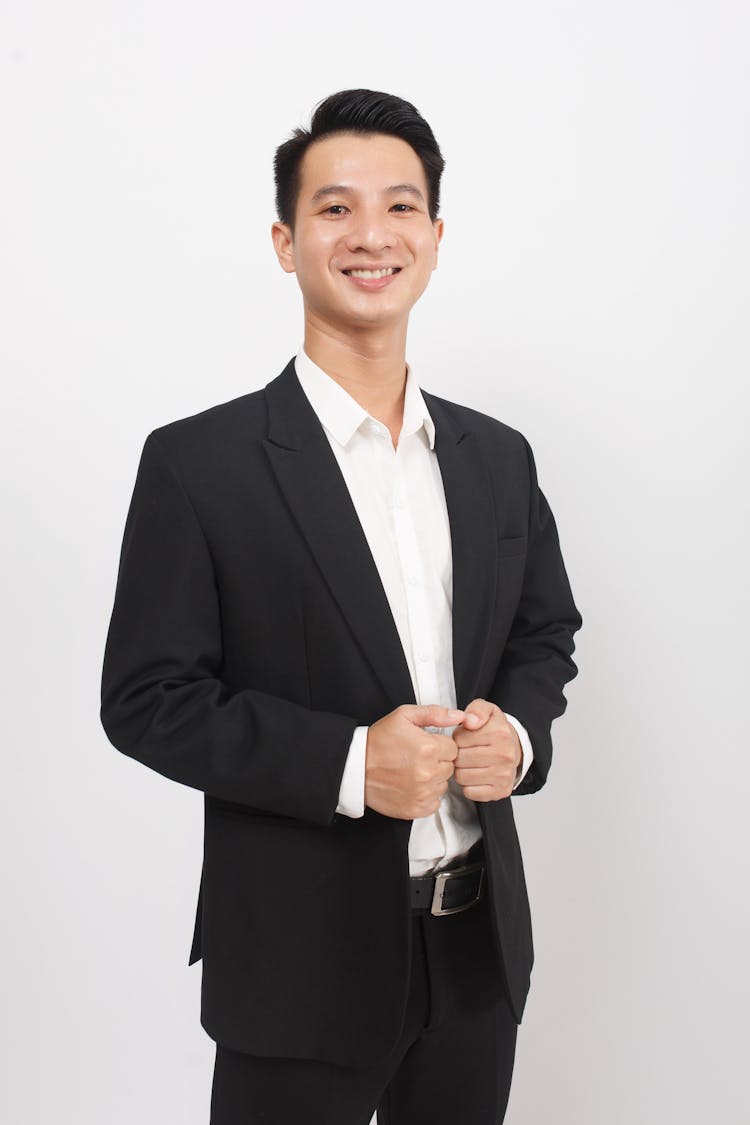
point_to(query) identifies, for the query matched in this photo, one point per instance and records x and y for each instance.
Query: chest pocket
(508, 548)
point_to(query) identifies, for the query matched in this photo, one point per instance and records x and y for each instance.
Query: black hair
(357, 111)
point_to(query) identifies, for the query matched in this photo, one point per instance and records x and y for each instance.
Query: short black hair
(357, 111)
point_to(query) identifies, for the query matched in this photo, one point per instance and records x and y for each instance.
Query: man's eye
(335, 209)
(403, 207)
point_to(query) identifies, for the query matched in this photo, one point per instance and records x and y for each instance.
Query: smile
(368, 274)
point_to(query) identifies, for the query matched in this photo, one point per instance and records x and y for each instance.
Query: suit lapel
(471, 514)
(310, 479)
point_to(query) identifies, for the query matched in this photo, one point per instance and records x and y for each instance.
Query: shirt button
(423, 657)
(412, 580)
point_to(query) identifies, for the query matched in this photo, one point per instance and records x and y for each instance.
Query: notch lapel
(473, 527)
(310, 479)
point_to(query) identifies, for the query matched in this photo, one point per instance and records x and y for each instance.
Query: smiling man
(342, 614)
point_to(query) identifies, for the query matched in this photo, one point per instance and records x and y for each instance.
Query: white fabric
(399, 499)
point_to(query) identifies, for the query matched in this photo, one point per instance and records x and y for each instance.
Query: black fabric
(452, 1063)
(251, 634)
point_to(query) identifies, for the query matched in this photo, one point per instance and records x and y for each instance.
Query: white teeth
(371, 273)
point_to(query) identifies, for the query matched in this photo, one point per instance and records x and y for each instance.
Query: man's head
(358, 197)
(357, 111)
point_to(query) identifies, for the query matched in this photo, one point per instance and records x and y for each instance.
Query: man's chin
(361, 316)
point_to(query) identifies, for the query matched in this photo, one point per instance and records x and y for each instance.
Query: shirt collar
(342, 415)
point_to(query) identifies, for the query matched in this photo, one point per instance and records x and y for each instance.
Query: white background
(592, 292)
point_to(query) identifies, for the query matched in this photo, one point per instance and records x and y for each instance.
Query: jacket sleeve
(162, 698)
(536, 662)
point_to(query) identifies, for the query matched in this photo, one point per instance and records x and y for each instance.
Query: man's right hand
(407, 768)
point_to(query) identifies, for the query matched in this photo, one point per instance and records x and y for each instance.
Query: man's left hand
(489, 752)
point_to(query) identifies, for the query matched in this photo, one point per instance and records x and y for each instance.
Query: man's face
(362, 206)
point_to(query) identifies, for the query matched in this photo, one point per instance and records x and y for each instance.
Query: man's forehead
(346, 161)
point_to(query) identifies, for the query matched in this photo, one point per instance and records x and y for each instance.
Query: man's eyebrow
(330, 189)
(406, 189)
(341, 189)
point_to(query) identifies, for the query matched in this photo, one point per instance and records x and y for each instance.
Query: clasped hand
(408, 767)
(489, 752)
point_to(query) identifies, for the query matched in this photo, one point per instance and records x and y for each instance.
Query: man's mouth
(371, 274)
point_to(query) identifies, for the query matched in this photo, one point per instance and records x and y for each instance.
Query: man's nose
(370, 231)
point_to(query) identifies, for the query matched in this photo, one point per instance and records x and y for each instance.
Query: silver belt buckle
(442, 878)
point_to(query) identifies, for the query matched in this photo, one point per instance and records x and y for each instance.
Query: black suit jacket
(251, 634)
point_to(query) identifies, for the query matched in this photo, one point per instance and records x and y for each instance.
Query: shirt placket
(427, 686)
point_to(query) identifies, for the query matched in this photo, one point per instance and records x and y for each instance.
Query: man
(342, 613)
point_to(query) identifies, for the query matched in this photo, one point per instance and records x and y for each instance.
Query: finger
(480, 792)
(477, 757)
(481, 737)
(492, 774)
(477, 713)
(447, 748)
(431, 715)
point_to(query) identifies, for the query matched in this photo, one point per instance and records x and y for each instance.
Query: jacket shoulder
(239, 418)
(485, 425)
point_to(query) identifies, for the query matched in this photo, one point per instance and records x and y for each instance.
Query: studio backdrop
(592, 292)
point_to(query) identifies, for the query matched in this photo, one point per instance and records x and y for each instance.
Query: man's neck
(372, 369)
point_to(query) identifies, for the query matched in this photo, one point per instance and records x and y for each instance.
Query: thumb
(432, 715)
(477, 713)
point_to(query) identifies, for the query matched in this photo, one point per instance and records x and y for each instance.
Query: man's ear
(437, 226)
(283, 244)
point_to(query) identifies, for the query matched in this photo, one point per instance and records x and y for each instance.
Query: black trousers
(452, 1064)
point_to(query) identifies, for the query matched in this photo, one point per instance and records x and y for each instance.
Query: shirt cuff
(352, 788)
(528, 753)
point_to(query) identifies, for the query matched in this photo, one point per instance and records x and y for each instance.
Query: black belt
(448, 892)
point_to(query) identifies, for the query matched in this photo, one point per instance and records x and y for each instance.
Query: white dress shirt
(399, 499)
